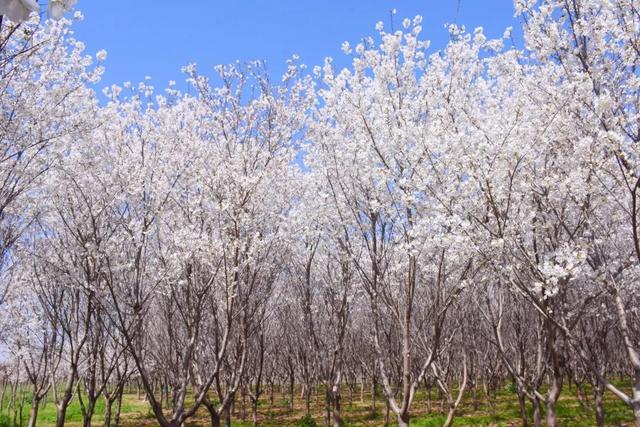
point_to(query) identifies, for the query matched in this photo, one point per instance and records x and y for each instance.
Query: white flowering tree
(452, 221)
(46, 103)
(32, 341)
(581, 180)
(382, 145)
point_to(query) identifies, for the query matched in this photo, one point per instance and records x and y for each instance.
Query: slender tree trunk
(166, 394)
(403, 420)
(522, 402)
(22, 399)
(552, 399)
(118, 408)
(227, 416)
(214, 414)
(33, 415)
(476, 403)
(307, 400)
(86, 419)
(61, 413)
(337, 420)
(453, 405)
(254, 411)
(271, 396)
(327, 409)
(14, 391)
(374, 386)
(634, 357)
(291, 390)
(4, 389)
(580, 394)
(598, 395)
(63, 404)
(108, 405)
(636, 392)
(537, 412)
(386, 413)
(243, 403)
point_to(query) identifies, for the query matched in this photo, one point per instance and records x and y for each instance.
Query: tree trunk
(33, 416)
(537, 413)
(14, 391)
(22, 399)
(227, 416)
(403, 420)
(598, 394)
(291, 391)
(61, 413)
(557, 373)
(67, 394)
(636, 392)
(4, 389)
(254, 411)
(386, 413)
(243, 403)
(327, 409)
(476, 403)
(271, 393)
(337, 420)
(108, 404)
(522, 402)
(215, 419)
(118, 408)
(554, 393)
(307, 400)
(374, 385)
(634, 357)
(86, 418)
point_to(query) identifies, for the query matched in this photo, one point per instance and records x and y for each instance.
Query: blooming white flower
(101, 55)
(57, 8)
(18, 10)
(478, 36)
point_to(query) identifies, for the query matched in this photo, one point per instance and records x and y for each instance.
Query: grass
(505, 412)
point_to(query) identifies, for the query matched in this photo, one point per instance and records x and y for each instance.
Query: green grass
(131, 407)
(571, 412)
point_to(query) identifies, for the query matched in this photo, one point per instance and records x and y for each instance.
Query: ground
(136, 412)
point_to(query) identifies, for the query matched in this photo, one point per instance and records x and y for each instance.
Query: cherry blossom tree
(46, 99)
(453, 221)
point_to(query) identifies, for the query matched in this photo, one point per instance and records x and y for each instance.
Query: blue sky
(157, 37)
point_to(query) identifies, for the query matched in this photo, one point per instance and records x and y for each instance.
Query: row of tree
(453, 219)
